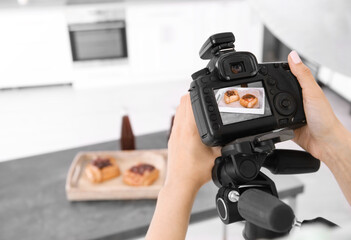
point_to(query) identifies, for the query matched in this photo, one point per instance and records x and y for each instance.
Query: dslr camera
(234, 96)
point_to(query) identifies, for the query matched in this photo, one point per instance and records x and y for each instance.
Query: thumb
(301, 72)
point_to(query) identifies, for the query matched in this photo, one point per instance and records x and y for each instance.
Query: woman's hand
(189, 160)
(189, 167)
(323, 129)
(323, 136)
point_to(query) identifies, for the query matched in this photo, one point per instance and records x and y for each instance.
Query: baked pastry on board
(231, 96)
(102, 169)
(142, 174)
(248, 100)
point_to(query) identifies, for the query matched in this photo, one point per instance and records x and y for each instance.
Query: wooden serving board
(79, 188)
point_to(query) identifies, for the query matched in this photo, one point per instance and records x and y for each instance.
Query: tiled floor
(41, 120)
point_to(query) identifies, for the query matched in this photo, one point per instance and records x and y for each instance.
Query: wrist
(182, 184)
(337, 147)
(178, 191)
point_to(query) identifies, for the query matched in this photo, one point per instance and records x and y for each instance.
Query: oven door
(98, 41)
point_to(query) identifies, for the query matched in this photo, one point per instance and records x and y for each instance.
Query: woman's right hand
(324, 136)
(323, 132)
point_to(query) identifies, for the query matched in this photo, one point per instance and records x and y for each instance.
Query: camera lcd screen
(242, 102)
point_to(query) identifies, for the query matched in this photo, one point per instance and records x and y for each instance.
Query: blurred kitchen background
(70, 69)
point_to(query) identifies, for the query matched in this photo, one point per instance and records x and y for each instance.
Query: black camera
(235, 97)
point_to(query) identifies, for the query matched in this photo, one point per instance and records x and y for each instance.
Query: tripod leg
(224, 232)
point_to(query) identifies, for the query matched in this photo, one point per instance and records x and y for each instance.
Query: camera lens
(237, 67)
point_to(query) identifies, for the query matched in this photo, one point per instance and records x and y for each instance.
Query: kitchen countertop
(33, 200)
(33, 203)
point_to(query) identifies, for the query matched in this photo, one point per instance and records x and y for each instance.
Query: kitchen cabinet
(160, 38)
(165, 38)
(34, 47)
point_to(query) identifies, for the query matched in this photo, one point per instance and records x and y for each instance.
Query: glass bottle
(127, 136)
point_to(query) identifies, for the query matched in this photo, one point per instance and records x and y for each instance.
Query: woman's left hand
(189, 160)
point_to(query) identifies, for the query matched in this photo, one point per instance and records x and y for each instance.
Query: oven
(97, 33)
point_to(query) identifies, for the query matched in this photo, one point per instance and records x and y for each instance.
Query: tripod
(247, 194)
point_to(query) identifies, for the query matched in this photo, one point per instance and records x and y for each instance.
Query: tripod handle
(283, 161)
(266, 211)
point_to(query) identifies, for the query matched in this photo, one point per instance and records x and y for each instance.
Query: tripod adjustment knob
(216, 171)
(245, 168)
(233, 196)
(222, 209)
(226, 202)
(248, 169)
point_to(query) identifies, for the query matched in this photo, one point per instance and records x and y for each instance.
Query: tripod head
(246, 193)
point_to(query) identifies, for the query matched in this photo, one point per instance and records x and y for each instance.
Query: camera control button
(213, 117)
(208, 99)
(210, 108)
(285, 104)
(283, 121)
(215, 126)
(285, 66)
(206, 90)
(263, 70)
(273, 91)
(271, 81)
(276, 65)
(204, 80)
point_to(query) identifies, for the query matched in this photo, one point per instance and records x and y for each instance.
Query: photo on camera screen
(242, 102)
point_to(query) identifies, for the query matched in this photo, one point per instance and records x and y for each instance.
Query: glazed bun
(142, 174)
(102, 169)
(231, 96)
(248, 100)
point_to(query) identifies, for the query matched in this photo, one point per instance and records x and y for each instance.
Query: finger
(190, 114)
(189, 109)
(180, 113)
(301, 71)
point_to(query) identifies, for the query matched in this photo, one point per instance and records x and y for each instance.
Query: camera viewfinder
(237, 67)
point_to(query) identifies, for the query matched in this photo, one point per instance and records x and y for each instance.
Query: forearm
(172, 214)
(337, 157)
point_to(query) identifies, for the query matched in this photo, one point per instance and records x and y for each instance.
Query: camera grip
(291, 162)
(266, 211)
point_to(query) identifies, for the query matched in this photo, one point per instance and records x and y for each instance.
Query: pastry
(231, 96)
(142, 174)
(102, 169)
(248, 100)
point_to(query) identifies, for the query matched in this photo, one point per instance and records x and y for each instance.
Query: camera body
(235, 97)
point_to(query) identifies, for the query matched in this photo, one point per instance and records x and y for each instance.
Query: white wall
(165, 38)
(163, 43)
(336, 81)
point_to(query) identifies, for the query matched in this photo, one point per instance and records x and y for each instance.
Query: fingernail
(295, 57)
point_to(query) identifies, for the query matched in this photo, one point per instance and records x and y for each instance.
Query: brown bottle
(127, 136)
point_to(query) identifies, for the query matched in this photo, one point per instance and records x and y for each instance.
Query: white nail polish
(295, 57)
